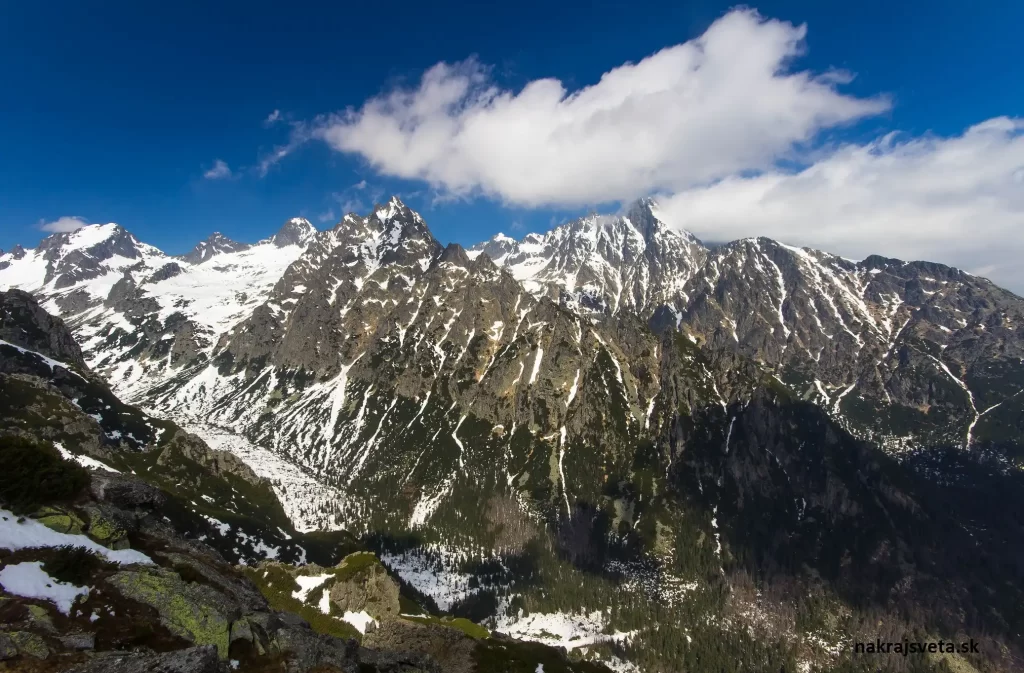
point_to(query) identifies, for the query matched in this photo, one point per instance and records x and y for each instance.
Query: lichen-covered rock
(241, 591)
(106, 527)
(242, 631)
(39, 618)
(256, 631)
(60, 519)
(23, 643)
(195, 612)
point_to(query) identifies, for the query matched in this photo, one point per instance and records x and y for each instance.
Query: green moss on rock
(23, 643)
(276, 582)
(105, 530)
(191, 611)
(356, 563)
(60, 520)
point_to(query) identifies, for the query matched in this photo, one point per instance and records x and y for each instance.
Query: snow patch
(84, 461)
(29, 580)
(307, 583)
(30, 533)
(360, 620)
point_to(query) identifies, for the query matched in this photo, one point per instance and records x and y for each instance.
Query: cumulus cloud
(725, 102)
(957, 200)
(716, 125)
(219, 171)
(63, 224)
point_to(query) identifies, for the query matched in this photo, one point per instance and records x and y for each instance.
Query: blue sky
(115, 112)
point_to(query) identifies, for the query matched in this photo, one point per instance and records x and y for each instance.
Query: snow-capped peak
(606, 261)
(92, 235)
(395, 209)
(217, 243)
(296, 231)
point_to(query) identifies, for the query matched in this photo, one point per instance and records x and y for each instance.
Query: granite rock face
(25, 324)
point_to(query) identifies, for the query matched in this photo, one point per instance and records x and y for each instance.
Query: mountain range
(609, 437)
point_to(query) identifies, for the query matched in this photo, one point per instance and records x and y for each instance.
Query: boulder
(364, 585)
(60, 519)
(108, 526)
(126, 491)
(22, 643)
(451, 649)
(195, 612)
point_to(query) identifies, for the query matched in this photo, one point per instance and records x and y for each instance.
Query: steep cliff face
(24, 324)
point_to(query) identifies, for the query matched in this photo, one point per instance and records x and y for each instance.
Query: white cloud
(299, 137)
(716, 124)
(327, 216)
(957, 200)
(724, 102)
(219, 171)
(63, 224)
(273, 118)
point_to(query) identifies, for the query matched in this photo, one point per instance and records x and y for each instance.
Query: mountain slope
(581, 435)
(126, 564)
(904, 353)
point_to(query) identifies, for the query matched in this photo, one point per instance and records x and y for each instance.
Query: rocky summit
(609, 446)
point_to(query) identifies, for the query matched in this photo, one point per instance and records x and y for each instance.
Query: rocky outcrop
(179, 596)
(359, 584)
(185, 445)
(196, 612)
(26, 324)
(365, 586)
(216, 244)
(450, 648)
(296, 231)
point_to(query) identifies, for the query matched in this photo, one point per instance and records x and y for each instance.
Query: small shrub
(33, 474)
(74, 565)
